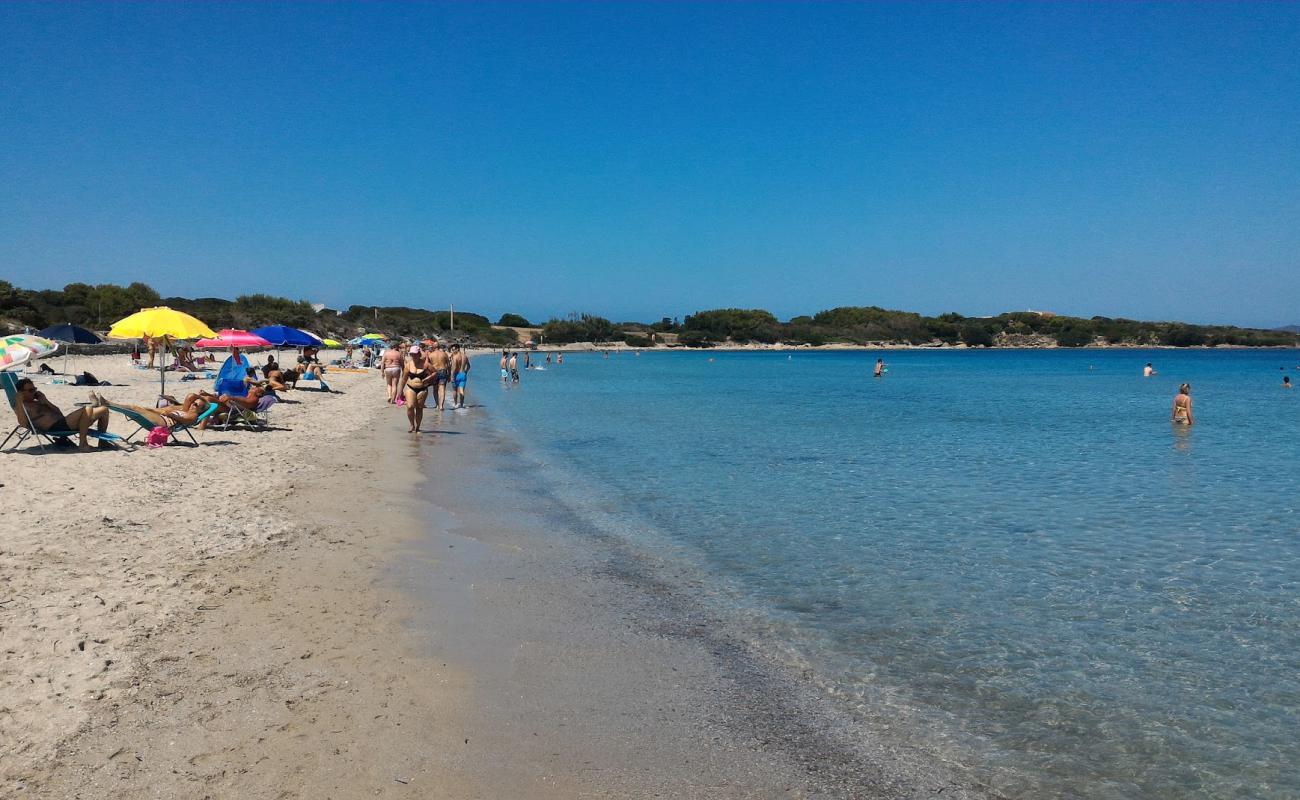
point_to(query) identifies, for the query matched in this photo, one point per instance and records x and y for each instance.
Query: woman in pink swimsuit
(392, 370)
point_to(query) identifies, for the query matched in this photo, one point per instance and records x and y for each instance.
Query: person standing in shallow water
(514, 368)
(504, 373)
(459, 375)
(440, 363)
(880, 368)
(1183, 405)
(1148, 370)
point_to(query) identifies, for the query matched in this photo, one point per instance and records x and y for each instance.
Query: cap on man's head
(415, 348)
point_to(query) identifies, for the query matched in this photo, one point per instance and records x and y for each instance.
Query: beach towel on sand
(230, 380)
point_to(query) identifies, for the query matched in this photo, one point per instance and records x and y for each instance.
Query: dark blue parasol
(70, 333)
(284, 336)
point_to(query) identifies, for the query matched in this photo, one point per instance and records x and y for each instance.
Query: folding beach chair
(258, 417)
(315, 375)
(144, 424)
(25, 430)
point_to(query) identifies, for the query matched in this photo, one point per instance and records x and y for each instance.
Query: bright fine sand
(301, 612)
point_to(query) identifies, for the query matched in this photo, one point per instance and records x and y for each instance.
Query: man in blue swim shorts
(459, 376)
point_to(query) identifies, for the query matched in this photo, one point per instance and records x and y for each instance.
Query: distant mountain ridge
(1289, 329)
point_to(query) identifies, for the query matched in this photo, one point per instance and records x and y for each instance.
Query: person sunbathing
(229, 403)
(248, 401)
(202, 396)
(168, 416)
(251, 379)
(185, 360)
(37, 413)
(275, 377)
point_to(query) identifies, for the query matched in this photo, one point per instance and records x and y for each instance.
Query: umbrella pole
(162, 370)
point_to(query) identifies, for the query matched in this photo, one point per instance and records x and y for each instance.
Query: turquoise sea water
(1010, 558)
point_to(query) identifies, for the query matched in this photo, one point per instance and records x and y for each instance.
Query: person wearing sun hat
(416, 376)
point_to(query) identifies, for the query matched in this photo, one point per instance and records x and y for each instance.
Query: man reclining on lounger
(38, 413)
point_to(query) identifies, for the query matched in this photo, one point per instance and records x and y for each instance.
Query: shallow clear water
(1010, 554)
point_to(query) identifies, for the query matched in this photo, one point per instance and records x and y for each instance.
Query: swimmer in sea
(1183, 405)
(880, 368)
(1148, 370)
(1286, 381)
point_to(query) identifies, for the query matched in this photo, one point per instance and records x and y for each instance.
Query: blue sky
(639, 161)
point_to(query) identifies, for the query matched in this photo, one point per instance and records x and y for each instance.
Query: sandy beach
(304, 612)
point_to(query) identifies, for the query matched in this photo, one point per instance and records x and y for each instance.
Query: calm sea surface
(1009, 558)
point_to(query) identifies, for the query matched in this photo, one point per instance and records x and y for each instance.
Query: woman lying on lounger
(34, 410)
(186, 413)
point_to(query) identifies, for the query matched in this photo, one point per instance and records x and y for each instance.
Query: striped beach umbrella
(21, 348)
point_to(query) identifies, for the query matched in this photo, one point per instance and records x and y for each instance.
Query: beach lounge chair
(258, 417)
(144, 424)
(25, 430)
(315, 375)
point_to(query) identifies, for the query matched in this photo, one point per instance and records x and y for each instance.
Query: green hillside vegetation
(98, 306)
(873, 325)
(578, 328)
(514, 321)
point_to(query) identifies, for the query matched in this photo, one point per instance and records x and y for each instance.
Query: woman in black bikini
(415, 379)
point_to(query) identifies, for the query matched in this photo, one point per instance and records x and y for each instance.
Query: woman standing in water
(1183, 405)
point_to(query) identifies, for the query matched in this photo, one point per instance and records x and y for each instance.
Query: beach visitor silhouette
(1182, 412)
(416, 377)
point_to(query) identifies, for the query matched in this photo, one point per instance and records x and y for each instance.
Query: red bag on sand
(158, 436)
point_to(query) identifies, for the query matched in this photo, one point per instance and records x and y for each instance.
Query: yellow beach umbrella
(160, 321)
(331, 343)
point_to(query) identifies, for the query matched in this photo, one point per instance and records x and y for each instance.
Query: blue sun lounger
(145, 424)
(25, 430)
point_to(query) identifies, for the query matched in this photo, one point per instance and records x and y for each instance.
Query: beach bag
(158, 437)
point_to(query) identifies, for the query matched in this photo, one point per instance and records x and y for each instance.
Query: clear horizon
(642, 161)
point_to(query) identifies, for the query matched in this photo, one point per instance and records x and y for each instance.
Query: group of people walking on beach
(415, 370)
(412, 371)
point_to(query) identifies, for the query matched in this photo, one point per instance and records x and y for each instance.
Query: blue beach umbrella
(68, 332)
(284, 336)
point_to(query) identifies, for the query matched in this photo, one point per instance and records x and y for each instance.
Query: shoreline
(297, 629)
(577, 596)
